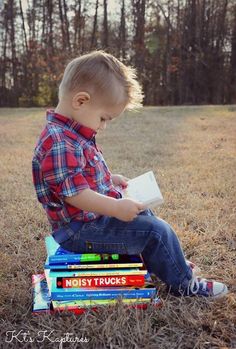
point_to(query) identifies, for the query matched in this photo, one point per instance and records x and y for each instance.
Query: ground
(192, 153)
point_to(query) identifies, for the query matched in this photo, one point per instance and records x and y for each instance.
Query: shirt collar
(62, 120)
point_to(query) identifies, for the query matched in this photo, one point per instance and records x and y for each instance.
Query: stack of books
(77, 282)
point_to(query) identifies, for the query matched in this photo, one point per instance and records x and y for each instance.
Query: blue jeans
(147, 235)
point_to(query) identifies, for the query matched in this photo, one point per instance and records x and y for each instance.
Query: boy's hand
(119, 180)
(128, 209)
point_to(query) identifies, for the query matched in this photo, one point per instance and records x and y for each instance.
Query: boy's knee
(162, 229)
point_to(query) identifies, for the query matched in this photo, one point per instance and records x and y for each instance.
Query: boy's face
(95, 116)
(98, 117)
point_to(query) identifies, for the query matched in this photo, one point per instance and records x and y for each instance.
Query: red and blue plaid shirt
(66, 161)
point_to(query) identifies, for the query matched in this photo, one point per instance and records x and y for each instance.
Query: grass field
(192, 152)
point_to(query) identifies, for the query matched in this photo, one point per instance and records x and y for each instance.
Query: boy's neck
(63, 109)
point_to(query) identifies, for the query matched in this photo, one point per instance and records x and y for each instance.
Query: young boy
(78, 192)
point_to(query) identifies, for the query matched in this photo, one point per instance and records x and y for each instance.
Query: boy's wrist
(114, 207)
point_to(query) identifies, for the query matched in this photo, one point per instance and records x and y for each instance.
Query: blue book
(101, 293)
(57, 255)
(125, 261)
(96, 272)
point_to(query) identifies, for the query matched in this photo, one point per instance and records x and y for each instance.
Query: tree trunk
(94, 33)
(4, 100)
(232, 87)
(122, 32)
(23, 26)
(50, 26)
(77, 26)
(14, 62)
(105, 38)
(139, 7)
(64, 43)
(67, 26)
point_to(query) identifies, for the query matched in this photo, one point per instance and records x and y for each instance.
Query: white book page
(145, 189)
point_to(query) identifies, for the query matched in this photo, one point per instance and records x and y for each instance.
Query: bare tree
(122, 32)
(94, 32)
(23, 26)
(63, 34)
(77, 25)
(105, 37)
(49, 26)
(67, 26)
(232, 86)
(14, 62)
(4, 100)
(139, 7)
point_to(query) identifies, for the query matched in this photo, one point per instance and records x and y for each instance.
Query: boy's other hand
(119, 180)
(128, 209)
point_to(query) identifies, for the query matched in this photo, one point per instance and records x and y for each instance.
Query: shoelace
(193, 286)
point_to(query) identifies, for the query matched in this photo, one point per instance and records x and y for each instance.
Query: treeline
(184, 50)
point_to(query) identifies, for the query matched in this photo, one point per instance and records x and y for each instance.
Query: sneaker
(205, 288)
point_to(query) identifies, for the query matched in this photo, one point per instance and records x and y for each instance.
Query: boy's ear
(79, 99)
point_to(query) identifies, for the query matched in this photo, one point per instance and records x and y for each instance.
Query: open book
(145, 189)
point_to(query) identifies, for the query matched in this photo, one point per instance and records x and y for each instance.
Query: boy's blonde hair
(98, 73)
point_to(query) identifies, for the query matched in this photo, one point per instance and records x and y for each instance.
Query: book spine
(90, 303)
(104, 266)
(95, 273)
(100, 281)
(82, 295)
(63, 258)
(81, 258)
(91, 266)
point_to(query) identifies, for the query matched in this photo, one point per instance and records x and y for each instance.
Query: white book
(145, 189)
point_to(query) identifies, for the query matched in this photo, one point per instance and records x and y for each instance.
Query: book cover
(100, 281)
(101, 293)
(145, 189)
(57, 255)
(42, 301)
(41, 298)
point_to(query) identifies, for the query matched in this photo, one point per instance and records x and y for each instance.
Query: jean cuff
(186, 279)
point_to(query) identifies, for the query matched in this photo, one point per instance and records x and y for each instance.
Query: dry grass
(192, 152)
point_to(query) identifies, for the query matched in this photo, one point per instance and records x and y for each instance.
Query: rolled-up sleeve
(62, 170)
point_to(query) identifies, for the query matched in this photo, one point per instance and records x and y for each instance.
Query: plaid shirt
(66, 161)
